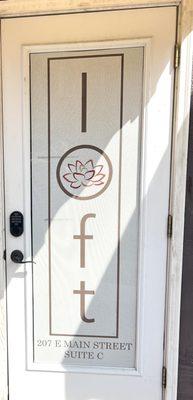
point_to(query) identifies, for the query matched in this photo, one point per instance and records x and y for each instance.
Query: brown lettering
(82, 292)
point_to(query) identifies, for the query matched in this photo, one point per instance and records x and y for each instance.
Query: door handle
(17, 257)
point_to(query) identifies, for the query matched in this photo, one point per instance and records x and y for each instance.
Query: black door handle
(17, 257)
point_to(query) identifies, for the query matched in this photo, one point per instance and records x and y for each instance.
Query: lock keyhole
(17, 256)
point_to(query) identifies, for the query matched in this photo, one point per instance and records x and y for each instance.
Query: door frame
(181, 109)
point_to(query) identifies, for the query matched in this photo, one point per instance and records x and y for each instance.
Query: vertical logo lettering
(82, 291)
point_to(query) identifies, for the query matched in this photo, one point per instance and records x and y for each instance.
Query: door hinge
(164, 377)
(177, 56)
(170, 226)
(4, 255)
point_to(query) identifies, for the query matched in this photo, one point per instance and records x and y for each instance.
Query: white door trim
(3, 310)
(182, 96)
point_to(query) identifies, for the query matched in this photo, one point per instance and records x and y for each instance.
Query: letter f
(82, 237)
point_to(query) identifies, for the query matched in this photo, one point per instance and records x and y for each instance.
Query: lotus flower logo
(86, 174)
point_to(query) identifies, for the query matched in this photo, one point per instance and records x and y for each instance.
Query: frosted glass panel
(85, 173)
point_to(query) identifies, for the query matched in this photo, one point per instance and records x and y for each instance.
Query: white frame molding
(3, 310)
(182, 96)
(178, 179)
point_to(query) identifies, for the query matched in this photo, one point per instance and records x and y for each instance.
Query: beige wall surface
(9, 8)
(16, 7)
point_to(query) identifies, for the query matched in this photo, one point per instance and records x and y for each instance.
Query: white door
(87, 102)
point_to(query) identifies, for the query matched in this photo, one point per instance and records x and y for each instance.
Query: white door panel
(87, 135)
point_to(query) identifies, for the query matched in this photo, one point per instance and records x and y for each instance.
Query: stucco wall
(11, 7)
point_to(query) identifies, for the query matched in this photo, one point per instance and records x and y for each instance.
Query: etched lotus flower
(84, 174)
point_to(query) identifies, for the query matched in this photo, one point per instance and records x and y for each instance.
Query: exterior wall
(185, 378)
(13, 7)
(185, 381)
(178, 178)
